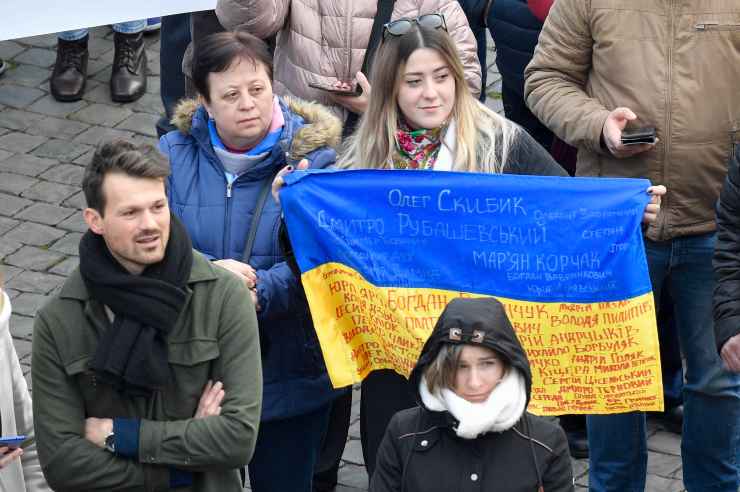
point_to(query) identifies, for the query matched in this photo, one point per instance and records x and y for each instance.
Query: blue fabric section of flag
(536, 238)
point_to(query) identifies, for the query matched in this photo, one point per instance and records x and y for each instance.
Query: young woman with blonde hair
(428, 117)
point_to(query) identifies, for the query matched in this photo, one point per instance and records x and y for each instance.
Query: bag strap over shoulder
(382, 17)
(261, 200)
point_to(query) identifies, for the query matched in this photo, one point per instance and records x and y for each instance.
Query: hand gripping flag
(382, 252)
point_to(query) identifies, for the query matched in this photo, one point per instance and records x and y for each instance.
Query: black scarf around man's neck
(132, 354)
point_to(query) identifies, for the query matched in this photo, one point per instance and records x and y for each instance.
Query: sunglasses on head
(400, 27)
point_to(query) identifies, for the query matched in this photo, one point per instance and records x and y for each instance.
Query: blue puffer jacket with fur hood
(218, 218)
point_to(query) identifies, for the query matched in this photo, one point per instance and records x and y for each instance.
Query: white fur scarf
(503, 408)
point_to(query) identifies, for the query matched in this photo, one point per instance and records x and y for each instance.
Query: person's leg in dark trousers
(384, 393)
(202, 24)
(575, 430)
(286, 452)
(670, 363)
(327, 466)
(174, 40)
(475, 12)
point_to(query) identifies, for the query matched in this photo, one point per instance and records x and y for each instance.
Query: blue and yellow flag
(383, 252)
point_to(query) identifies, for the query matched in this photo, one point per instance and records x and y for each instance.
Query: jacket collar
(442, 420)
(308, 127)
(75, 288)
(200, 132)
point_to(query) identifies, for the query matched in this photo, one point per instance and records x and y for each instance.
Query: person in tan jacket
(20, 470)
(602, 68)
(324, 41)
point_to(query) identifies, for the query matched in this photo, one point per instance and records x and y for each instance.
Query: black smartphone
(636, 136)
(329, 88)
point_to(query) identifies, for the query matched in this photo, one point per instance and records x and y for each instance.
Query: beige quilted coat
(325, 40)
(676, 64)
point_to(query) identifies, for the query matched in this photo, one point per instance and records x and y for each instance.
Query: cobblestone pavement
(44, 145)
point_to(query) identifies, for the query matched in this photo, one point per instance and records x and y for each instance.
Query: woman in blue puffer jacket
(229, 146)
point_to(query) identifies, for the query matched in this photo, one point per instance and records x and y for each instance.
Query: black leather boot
(128, 78)
(70, 70)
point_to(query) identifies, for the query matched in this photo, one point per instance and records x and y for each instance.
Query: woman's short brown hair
(217, 52)
(440, 373)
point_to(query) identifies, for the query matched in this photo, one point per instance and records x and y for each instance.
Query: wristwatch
(110, 442)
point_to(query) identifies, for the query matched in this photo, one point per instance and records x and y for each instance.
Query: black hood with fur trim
(475, 321)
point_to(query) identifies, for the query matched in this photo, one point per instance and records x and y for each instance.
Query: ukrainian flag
(382, 252)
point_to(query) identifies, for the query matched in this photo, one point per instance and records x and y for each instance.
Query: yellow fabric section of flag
(592, 358)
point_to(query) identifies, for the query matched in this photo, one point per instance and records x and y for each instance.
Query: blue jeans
(130, 27)
(709, 449)
(286, 452)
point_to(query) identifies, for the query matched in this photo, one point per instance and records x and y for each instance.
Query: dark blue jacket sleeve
(279, 291)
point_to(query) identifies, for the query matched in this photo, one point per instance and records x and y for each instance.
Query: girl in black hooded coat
(471, 431)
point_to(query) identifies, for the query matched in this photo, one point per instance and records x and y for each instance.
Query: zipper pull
(228, 190)
(703, 26)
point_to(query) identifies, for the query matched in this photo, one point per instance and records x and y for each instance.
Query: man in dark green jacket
(146, 370)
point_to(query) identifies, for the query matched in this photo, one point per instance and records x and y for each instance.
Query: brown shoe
(70, 70)
(128, 78)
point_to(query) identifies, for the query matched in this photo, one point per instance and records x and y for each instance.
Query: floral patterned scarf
(416, 149)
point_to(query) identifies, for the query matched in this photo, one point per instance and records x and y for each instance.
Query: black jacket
(515, 31)
(421, 451)
(727, 256)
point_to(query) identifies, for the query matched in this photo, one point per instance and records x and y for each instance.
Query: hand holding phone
(636, 136)
(354, 92)
(619, 140)
(10, 449)
(12, 442)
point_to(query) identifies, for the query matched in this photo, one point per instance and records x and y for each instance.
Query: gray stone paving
(44, 145)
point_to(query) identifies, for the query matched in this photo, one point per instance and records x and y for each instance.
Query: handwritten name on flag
(382, 252)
